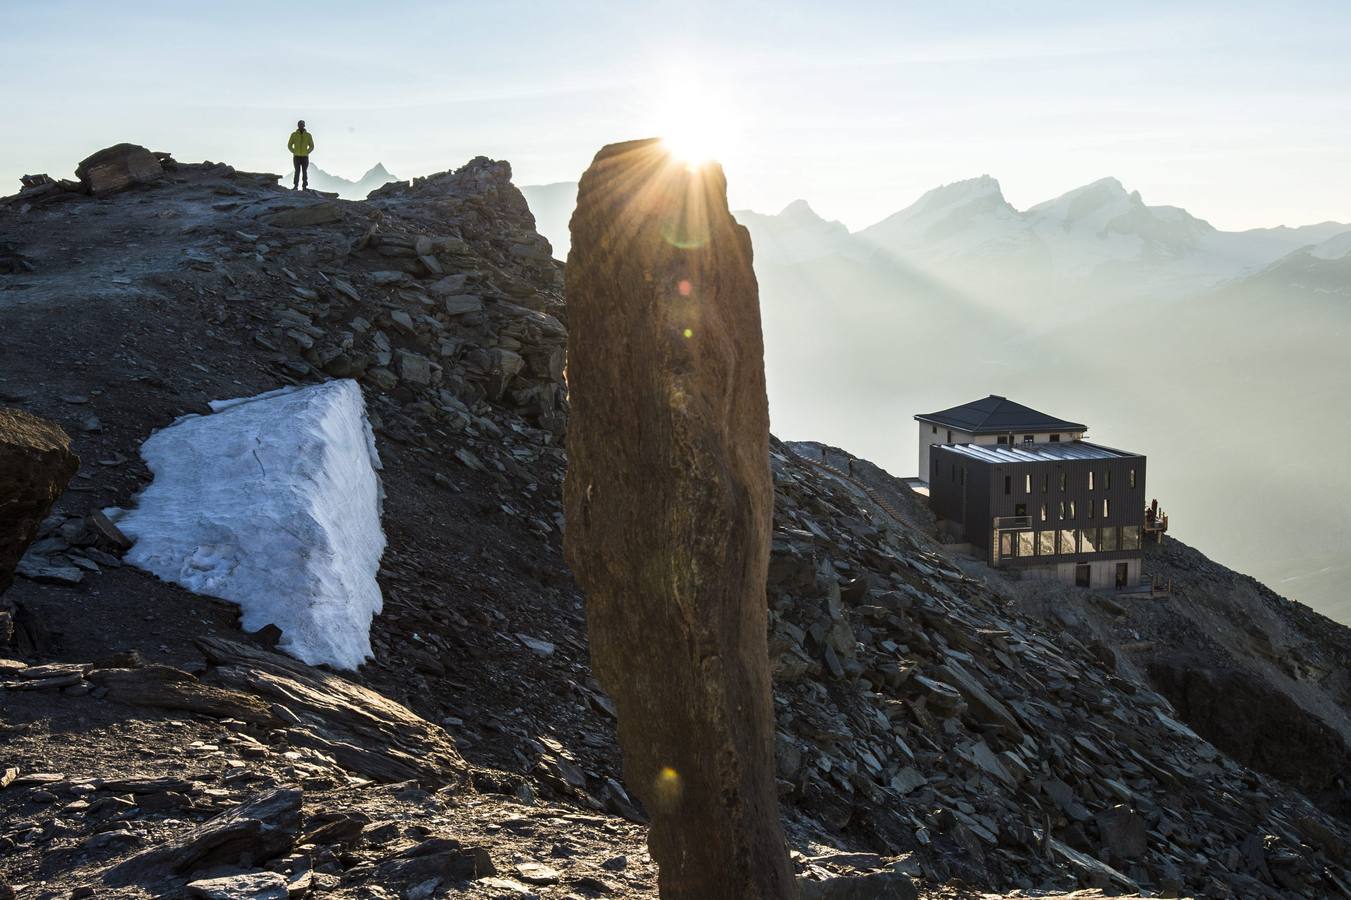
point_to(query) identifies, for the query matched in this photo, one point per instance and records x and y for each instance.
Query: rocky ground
(935, 721)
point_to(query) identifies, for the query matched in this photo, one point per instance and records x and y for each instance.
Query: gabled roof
(998, 415)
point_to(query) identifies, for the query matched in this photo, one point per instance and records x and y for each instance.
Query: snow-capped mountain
(796, 234)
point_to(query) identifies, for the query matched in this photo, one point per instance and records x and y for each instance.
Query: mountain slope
(932, 718)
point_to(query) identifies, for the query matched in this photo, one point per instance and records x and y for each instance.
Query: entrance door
(1122, 575)
(1082, 575)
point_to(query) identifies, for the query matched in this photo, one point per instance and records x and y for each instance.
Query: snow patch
(272, 502)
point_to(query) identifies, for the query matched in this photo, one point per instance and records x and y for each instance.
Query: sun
(697, 125)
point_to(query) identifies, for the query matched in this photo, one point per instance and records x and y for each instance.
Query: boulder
(668, 502)
(35, 466)
(117, 168)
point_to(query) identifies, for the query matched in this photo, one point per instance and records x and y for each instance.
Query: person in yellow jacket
(301, 145)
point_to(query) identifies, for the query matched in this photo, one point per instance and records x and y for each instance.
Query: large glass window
(1066, 541)
(1107, 541)
(1088, 540)
(1046, 543)
(1006, 544)
(1027, 543)
(1130, 537)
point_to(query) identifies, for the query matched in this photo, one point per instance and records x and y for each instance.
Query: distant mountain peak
(377, 171)
(968, 189)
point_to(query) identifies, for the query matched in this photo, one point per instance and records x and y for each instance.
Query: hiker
(300, 145)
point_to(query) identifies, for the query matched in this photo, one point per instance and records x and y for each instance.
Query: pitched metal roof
(998, 415)
(1026, 453)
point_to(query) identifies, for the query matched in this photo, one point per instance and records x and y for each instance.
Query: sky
(1239, 112)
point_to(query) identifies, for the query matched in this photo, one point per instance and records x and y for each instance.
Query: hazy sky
(1239, 112)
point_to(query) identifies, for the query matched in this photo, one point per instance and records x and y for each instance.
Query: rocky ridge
(932, 722)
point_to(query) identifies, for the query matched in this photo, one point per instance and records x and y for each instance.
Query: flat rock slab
(249, 886)
(261, 829)
(301, 217)
(878, 886)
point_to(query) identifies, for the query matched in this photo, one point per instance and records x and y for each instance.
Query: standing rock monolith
(36, 464)
(669, 503)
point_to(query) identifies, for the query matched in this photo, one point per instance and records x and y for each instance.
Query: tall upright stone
(35, 466)
(669, 504)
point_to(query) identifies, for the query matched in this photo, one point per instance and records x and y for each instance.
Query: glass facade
(1088, 540)
(1107, 540)
(1046, 543)
(1066, 542)
(1027, 543)
(1130, 537)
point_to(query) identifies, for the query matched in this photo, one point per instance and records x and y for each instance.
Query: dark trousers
(302, 168)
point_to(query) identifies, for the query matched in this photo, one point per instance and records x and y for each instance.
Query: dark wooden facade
(1059, 495)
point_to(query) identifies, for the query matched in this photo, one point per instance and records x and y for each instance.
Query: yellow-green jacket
(301, 143)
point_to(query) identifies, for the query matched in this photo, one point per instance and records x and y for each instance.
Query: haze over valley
(1219, 354)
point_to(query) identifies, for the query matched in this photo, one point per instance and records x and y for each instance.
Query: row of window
(1063, 479)
(1027, 439)
(1068, 541)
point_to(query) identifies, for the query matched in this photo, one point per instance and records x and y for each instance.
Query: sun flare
(696, 125)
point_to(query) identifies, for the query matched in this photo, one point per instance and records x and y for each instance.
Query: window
(949, 435)
(1027, 543)
(1066, 543)
(1090, 479)
(1088, 540)
(1062, 481)
(1045, 482)
(1008, 484)
(1055, 439)
(1106, 508)
(1073, 513)
(1062, 511)
(1131, 480)
(1043, 512)
(1046, 543)
(935, 428)
(1090, 509)
(1107, 540)
(1020, 509)
(1006, 544)
(1002, 440)
(1029, 438)
(1027, 483)
(1107, 479)
(1130, 537)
